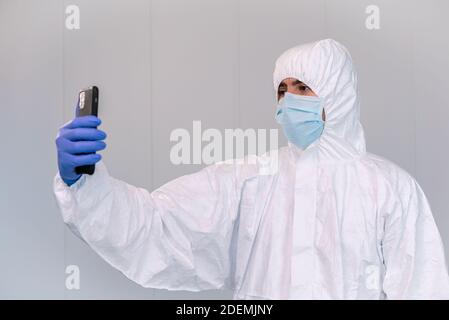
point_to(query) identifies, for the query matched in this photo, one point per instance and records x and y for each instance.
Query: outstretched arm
(177, 237)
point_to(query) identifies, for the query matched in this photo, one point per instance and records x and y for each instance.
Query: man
(332, 222)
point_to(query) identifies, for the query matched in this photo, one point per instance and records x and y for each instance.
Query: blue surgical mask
(300, 118)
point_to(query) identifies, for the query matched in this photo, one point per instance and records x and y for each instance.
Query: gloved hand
(76, 143)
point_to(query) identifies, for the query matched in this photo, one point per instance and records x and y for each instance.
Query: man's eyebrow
(296, 81)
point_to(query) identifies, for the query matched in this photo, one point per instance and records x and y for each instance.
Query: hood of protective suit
(326, 67)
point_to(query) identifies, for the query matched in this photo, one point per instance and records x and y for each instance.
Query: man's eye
(303, 88)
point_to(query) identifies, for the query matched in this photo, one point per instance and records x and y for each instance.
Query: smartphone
(87, 105)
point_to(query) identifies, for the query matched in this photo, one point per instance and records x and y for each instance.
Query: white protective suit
(332, 222)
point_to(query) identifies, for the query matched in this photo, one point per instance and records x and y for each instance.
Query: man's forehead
(290, 81)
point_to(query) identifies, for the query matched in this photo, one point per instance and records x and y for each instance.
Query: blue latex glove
(76, 144)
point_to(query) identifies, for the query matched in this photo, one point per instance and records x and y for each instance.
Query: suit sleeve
(176, 237)
(412, 248)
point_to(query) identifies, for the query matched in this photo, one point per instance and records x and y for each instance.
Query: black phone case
(84, 108)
